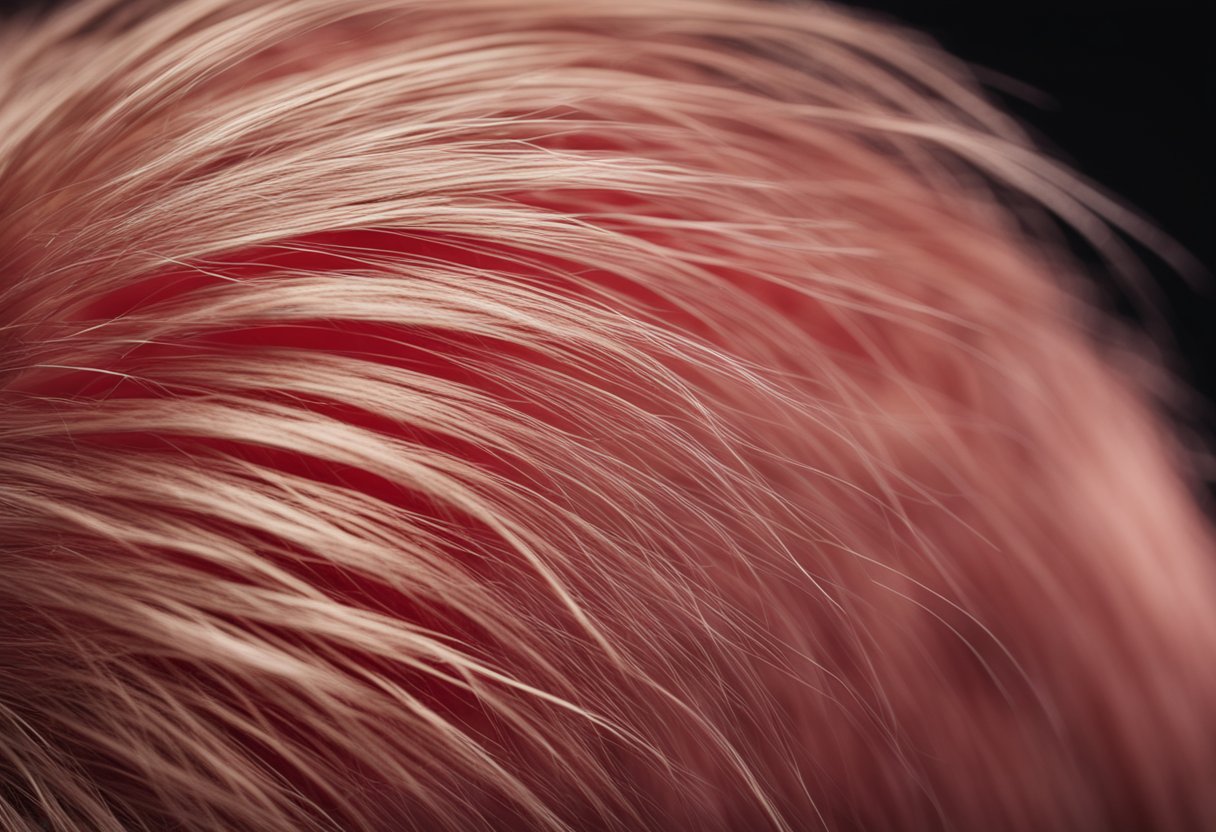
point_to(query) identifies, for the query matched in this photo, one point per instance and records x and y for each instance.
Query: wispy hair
(612, 415)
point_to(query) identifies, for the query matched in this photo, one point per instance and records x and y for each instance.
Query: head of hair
(533, 415)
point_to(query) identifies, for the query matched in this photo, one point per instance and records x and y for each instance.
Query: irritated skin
(526, 415)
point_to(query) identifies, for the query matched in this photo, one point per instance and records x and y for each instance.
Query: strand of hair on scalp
(538, 415)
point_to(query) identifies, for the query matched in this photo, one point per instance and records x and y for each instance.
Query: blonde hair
(613, 415)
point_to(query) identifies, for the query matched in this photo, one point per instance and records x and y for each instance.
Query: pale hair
(543, 415)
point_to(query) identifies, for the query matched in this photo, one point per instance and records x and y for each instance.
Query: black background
(1128, 101)
(1128, 94)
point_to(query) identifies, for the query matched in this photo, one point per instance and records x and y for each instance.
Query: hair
(535, 415)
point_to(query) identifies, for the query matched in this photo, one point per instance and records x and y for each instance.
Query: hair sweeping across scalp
(545, 415)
